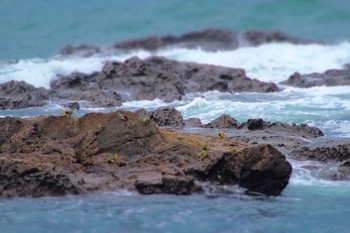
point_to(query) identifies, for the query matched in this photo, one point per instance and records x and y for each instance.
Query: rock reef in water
(19, 94)
(134, 79)
(99, 152)
(334, 77)
(212, 39)
(156, 77)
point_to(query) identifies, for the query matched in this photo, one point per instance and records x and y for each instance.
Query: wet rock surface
(223, 122)
(261, 161)
(19, 94)
(212, 39)
(328, 78)
(134, 79)
(103, 152)
(335, 150)
(152, 78)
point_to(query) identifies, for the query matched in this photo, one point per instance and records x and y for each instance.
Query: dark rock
(193, 122)
(19, 94)
(328, 78)
(159, 184)
(256, 124)
(336, 150)
(302, 130)
(223, 122)
(256, 38)
(167, 117)
(17, 180)
(259, 168)
(210, 39)
(80, 50)
(155, 77)
(72, 105)
(82, 87)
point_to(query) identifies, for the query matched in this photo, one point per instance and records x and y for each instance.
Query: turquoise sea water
(39, 28)
(300, 209)
(31, 32)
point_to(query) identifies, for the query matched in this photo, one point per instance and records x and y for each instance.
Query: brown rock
(259, 168)
(336, 150)
(159, 184)
(223, 122)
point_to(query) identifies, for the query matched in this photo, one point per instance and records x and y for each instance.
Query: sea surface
(32, 32)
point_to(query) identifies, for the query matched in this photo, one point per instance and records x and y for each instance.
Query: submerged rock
(328, 78)
(19, 94)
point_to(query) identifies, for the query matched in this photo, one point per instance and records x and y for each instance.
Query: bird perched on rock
(221, 134)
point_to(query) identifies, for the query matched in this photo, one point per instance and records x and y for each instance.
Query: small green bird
(204, 153)
(67, 112)
(222, 134)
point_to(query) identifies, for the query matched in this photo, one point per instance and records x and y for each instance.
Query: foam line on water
(269, 62)
(273, 62)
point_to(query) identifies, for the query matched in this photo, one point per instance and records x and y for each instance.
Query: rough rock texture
(152, 78)
(193, 122)
(264, 169)
(336, 150)
(302, 130)
(328, 78)
(19, 94)
(158, 184)
(58, 155)
(167, 117)
(223, 122)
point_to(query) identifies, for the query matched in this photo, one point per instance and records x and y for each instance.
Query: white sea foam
(273, 62)
(269, 62)
(313, 173)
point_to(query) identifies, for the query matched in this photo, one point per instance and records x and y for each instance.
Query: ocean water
(32, 32)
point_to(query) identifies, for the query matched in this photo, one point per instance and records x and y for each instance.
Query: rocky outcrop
(328, 78)
(58, 155)
(159, 184)
(256, 38)
(164, 117)
(250, 168)
(152, 78)
(212, 39)
(302, 130)
(19, 94)
(223, 122)
(335, 150)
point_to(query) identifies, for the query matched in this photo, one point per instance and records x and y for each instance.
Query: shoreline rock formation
(212, 39)
(134, 79)
(334, 77)
(58, 155)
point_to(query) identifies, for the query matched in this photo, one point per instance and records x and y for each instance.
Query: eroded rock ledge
(99, 152)
(134, 79)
